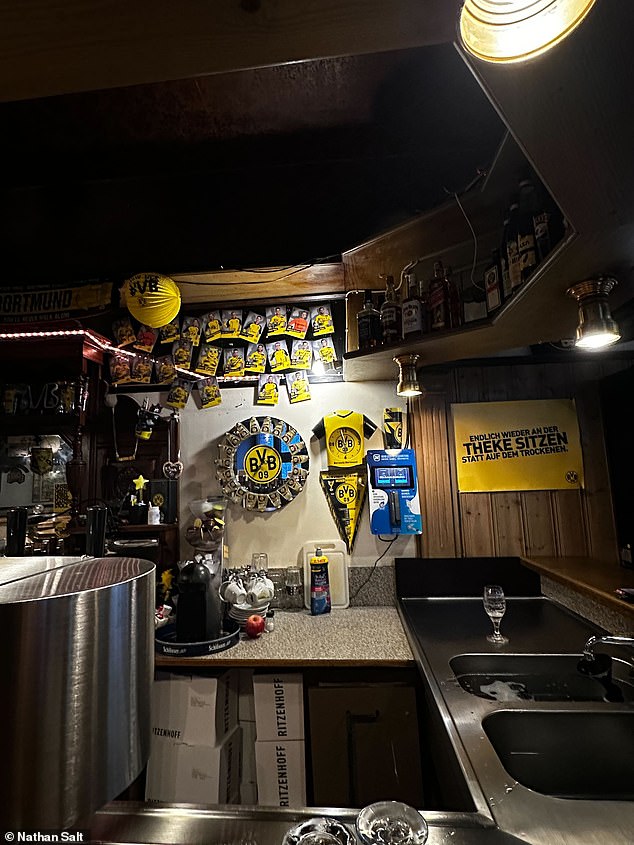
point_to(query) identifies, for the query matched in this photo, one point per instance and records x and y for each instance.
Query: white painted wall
(282, 533)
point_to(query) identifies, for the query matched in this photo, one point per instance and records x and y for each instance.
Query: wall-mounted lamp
(515, 30)
(596, 328)
(408, 384)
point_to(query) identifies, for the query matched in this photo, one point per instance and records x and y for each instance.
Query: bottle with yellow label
(319, 584)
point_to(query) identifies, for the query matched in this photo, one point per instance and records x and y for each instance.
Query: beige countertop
(354, 636)
(594, 578)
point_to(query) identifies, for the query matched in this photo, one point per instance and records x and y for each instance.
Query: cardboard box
(246, 704)
(249, 794)
(195, 709)
(281, 773)
(279, 706)
(249, 774)
(194, 774)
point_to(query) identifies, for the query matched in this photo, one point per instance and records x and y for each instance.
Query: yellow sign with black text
(526, 445)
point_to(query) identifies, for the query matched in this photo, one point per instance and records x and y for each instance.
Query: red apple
(254, 626)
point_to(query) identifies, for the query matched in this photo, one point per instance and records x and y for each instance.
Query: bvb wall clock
(262, 463)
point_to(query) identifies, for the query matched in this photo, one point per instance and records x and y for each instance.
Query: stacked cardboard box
(246, 718)
(279, 749)
(196, 742)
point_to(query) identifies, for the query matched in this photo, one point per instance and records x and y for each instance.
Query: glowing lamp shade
(152, 299)
(408, 384)
(596, 328)
(516, 30)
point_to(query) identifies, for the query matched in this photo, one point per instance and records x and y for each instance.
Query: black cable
(408, 413)
(376, 563)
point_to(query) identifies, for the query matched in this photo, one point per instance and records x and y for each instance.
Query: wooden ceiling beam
(301, 281)
(50, 47)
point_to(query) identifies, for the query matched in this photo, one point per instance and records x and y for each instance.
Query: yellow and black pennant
(345, 494)
(393, 428)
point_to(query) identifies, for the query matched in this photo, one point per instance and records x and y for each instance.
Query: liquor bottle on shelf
(512, 247)
(391, 314)
(369, 324)
(474, 302)
(438, 298)
(548, 223)
(505, 275)
(424, 298)
(528, 208)
(453, 300)
(493, 283)
(413, 309)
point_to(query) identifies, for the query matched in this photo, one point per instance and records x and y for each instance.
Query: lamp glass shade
(154, 300)
(516, 30)
(598, 339)
(595, 329)
(408, 384)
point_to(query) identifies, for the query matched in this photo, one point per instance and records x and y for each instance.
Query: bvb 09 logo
(345, 493)
(262, 464)
(345, 441)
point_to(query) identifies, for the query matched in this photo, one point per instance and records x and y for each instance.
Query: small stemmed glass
(495, 606)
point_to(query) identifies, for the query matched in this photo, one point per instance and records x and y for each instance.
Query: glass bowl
(319, 831)
(207, 508)
(391, 823)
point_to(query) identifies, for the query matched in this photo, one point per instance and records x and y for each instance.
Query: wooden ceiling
(203, 136)
(229, 135)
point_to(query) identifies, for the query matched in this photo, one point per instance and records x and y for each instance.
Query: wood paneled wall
(550, 522)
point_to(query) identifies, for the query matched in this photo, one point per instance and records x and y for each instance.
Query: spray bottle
(319, 584)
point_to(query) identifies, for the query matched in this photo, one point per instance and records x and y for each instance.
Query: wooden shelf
(538, 313)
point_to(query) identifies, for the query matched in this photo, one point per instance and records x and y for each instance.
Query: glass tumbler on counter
(278, 577)
(294, 584)
(391, 823)
(260, 562)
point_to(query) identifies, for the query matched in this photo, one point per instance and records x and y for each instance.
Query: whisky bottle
(548, 223)
(391, 314)
(369, 325)
(528, 208)
(453, 308)
(493, 283)
(512, 247)
(437, 298)
(413, 309)
(505, 275)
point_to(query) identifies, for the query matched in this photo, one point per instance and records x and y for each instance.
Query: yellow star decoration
(139, 483)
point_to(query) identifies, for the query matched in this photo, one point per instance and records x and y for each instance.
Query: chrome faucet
(607, 639)
(599, 666)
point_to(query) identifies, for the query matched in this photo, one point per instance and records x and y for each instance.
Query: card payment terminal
(393, 492)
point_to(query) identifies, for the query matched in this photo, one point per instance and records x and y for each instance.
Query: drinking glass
(495, 606)
(260, 562)
(294, 588)
(391, 823)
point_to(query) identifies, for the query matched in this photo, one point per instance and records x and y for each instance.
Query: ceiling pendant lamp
(596, 328)
(408, 384)
(516, 30)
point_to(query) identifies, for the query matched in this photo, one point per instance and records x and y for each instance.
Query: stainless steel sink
(538, 677)
(567, 754)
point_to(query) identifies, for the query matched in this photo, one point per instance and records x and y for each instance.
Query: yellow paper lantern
(152, 299)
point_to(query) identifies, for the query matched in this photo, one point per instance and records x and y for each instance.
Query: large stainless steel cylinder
(76, 668)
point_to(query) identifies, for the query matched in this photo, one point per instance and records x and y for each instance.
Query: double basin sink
(565, 751)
